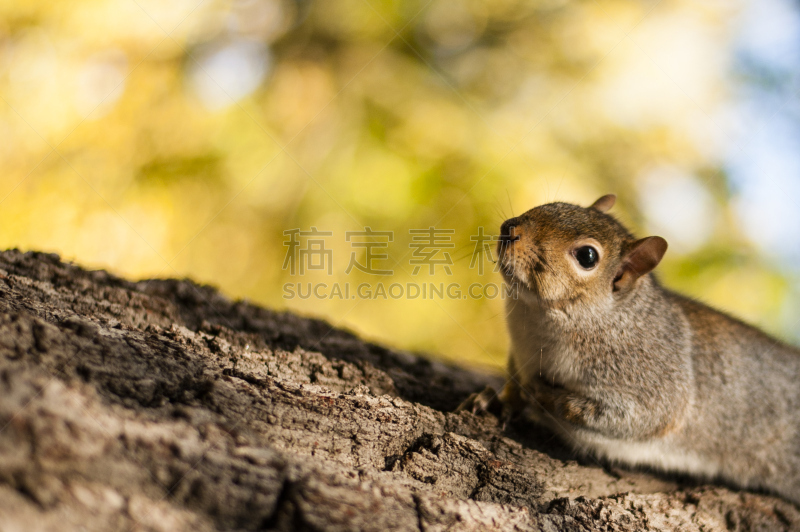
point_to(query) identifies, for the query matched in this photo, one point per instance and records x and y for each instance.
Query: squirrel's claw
(503, 405)
(486, 400)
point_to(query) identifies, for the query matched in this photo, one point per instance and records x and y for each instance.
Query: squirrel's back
(747, 387)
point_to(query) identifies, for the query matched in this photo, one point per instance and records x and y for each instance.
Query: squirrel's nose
(507, 227)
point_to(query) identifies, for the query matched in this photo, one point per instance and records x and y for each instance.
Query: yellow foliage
(183, 138)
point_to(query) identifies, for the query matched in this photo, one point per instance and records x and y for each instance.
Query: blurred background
(182, 138)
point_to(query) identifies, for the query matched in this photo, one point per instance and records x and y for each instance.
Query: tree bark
(162, 405)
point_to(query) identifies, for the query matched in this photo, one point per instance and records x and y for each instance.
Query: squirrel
(629, 371)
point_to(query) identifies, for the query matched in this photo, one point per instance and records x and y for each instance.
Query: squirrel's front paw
(503, 405)
(576, 409)
(486, 400)
(567, 405)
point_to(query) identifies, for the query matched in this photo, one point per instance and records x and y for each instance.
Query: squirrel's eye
(587, 257)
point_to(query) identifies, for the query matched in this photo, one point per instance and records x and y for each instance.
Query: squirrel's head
(570, 254)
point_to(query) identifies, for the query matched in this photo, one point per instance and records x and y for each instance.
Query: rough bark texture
(162, 405)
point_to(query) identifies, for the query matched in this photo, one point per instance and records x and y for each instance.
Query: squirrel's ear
(644, 255)
(605, 203)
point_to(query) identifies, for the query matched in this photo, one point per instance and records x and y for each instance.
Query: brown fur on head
(543, 250)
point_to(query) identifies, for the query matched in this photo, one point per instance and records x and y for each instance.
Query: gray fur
(642, 375)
